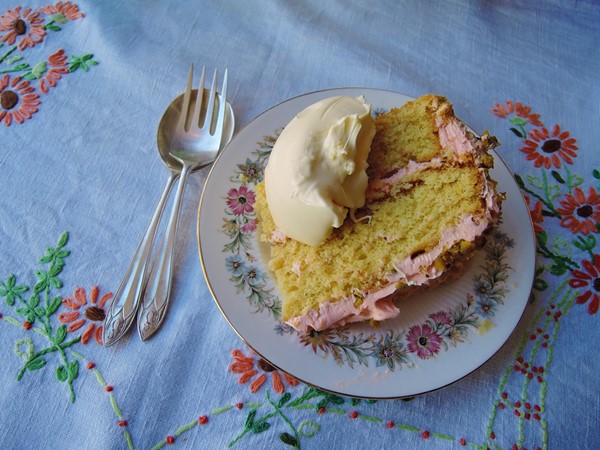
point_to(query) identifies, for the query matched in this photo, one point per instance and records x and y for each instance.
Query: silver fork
(195, 145)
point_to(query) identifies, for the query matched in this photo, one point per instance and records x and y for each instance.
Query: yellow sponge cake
(428, 202)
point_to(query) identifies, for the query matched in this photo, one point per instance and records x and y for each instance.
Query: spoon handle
(126, 301)
(158, 288)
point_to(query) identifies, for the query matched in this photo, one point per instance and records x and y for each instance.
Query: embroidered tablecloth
(83, 86)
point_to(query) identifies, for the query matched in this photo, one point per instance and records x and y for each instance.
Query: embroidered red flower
(18, 100)
(57, 63)
(93, 312)
(519, 110)
(240, 200)
(548, 150)
(27, 26)
(536, 214)
(67, 9)
(580, 213)
(248, 370)
(588, 278)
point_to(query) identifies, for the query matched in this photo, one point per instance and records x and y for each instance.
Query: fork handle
(158, 288)
(126, 301)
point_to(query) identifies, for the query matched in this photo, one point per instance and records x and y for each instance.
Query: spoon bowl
(168, 124)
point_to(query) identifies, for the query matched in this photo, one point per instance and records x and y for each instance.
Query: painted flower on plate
(235, 265)
(26, 26)
(389, 352)
(588, 278)
(441, 318)
(486, 307)
(240, 200)
(423, 341)
(251, 172)
(93, 313)
(580, 212)
(547, 149)
(18, 100)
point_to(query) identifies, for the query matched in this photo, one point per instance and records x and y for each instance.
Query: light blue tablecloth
(90, 81)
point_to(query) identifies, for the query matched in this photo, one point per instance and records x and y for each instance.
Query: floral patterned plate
(441, 335)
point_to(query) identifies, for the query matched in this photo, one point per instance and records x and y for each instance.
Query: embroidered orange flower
(256, 372)
(68, 9)
(536, 214)
(18, 100)
(547, 150)
(590, 276)
(93, 312)
(57, 63)
(27, 26)
(519, 110)
(580, 213)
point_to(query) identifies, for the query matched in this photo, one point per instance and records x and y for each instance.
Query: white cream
(317, 168)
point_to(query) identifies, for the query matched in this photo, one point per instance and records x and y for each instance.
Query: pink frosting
(378, 305)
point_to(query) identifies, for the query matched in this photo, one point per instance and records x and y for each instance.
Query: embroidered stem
(113, 401)
(7, 54)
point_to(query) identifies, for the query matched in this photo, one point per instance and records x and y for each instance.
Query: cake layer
(429, 200)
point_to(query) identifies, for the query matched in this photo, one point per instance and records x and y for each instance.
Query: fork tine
(210, 108)
(199, 97)
(186, 100)
(222, 107)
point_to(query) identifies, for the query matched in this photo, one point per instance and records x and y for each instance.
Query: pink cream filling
(378, 305)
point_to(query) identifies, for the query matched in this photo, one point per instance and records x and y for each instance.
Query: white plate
(459, 325)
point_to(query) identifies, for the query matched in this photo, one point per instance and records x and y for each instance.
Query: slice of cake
(428, 203)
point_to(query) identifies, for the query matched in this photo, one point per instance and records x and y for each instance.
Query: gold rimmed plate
(441, 335)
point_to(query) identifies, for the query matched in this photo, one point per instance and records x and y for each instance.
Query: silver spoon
(126, 301)
(196, 142)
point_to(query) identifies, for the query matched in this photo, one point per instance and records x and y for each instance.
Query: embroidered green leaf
(290, 440)
(40, 311)
(13, 59)
(64, 238)
(250, 419)
(519, 181)
(585, 243)
(59, 17)
(13, 321)
(35, 364)
(52, 27)
(24, 348)
(308, 428)
(558, 177)
(34, 300)
(61, 373)
(284, 399)
(84, 62)
(73, 369)
(540, 285)
(39, 69)
(517, 132)
(22, 311)
(518, 121)
(596, 174)
(542, 238)
(54, 305)
(260, 427)
(11, 291)
(60, 335)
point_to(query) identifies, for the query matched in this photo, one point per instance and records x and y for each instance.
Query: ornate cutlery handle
(158, 288)
(126, 301)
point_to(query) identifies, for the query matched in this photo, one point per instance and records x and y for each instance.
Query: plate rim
(528, 287)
